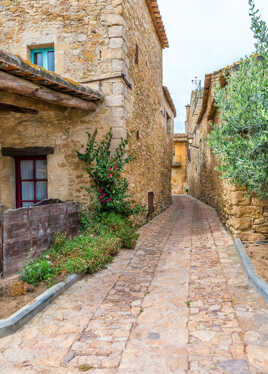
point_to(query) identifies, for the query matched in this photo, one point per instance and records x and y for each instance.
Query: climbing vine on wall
(105, 167)
(241, 139)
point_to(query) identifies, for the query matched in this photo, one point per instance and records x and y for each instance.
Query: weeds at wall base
(100, 240)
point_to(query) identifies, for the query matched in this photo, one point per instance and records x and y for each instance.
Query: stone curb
(18, 319)
(260, 285)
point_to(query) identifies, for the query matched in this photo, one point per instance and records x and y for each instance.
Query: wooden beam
(17, 109)
(23, 87)
(27, 151)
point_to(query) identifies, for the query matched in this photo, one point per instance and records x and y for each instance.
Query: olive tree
(240, 140)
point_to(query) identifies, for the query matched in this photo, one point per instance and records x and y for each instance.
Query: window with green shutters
(44, 57)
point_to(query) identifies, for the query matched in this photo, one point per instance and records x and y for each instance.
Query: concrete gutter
(18, 319)
(260, 285)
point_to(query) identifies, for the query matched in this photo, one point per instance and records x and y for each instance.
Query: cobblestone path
(180, 303)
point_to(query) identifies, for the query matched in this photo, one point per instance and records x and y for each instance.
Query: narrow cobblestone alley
(180, 303)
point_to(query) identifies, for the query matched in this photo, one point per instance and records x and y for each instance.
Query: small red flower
(110, 169)
(105, 194)
(110, 200)
(103, 201)
(115, 167)
(110, 176)
(100, 197)
(100, 191)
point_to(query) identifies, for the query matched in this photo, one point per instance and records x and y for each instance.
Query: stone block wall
(63, 130)
(87, 38)
(1, 245)
(149, 116)
(81, 31)
(27, 232)
(95, 44)
(244, 215)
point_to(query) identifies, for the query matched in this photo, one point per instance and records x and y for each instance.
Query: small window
(169, 123)
(137, 54)
(150, 203)
(44, 57)
(31, 180)
(189, 154)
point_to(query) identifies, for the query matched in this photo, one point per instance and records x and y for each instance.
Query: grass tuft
(101, 239)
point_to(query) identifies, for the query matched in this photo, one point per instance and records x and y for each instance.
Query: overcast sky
(204, 35)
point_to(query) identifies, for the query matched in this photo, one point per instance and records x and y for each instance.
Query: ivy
(241, 139)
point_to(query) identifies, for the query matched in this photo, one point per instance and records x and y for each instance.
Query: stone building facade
(246, 216)
(117, 58)
(179, 164)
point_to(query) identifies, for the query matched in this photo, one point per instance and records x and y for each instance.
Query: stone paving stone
(116, 316)
(179, 304)
(165, 313)
(46, 339)
(235, 367)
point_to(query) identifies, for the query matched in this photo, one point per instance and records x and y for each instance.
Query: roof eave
(158, 22)
(16, 66)
(170, 101)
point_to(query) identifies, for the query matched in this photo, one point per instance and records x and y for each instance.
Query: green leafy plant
(105, 168)
(120, 226)
(38, 271)
(241, 139)
(104, 234)
(128, 236)
(84, 253)
(105, 230)
(85, 367)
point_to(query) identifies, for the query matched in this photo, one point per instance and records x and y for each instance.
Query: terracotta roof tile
(158, 23)
(15, 65)
(169, 100)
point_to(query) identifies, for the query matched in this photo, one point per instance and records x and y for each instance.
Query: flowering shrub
(105, 231)
(105, 168)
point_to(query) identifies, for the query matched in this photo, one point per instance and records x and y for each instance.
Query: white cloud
(204, 35)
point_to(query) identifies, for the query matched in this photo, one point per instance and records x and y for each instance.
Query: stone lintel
(27, 151)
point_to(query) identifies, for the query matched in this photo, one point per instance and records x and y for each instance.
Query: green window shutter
(44, 57)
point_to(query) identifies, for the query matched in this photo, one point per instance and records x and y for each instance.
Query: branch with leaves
(241, 139)
(105, 169)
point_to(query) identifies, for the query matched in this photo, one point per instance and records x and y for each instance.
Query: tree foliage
(241, 139)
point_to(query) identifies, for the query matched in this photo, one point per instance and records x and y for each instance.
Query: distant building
(179, 164)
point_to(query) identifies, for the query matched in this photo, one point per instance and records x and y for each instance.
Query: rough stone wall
(88, 40)
(95, 43)
(64, 130)
(150, 118)
(193, 154)
(27, 232)
(245, 216)
(78, 30)
(179, 164)
(86, 47)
